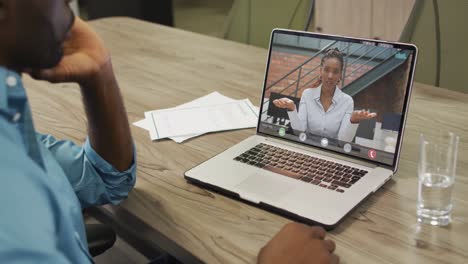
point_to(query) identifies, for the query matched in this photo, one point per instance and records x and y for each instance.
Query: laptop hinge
(249, 198)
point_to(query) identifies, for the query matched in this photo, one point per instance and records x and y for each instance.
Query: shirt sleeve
(28, 226)
(93, 179)
(347, 129)
(299, 119)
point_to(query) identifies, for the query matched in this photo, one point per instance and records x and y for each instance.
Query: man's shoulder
(8, 132)
(23, 182)
(11, 142)
(14, 160)
(28, 204)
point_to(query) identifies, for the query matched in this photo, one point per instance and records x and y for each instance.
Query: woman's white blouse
(335, 123)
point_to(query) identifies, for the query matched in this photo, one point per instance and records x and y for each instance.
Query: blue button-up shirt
(333, 123)
(44, 185)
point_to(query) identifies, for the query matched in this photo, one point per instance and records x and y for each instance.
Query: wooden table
(160, 67)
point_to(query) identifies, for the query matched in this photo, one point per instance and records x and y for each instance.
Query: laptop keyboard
(326, 174)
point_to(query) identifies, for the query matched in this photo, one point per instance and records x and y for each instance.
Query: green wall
(251, 21)
(454, 44)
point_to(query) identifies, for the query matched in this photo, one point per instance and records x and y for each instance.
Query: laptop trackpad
(260, 187)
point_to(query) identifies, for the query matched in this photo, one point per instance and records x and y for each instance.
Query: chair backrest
(391, 121)
(251, 21)
(278, 112)
(366, 129)
(158, 11)
(441, 63)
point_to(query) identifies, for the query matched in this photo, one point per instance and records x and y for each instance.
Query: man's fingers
(43, 75)
(60, 73)
(329, 245)
(52, 75)
(318, 232)
(334, 259)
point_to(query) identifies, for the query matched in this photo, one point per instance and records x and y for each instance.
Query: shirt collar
(336, 95)
(10, 81)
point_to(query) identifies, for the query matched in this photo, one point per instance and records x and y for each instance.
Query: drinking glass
(436, 171)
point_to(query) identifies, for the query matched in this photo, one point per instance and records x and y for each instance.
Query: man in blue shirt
(45, 182)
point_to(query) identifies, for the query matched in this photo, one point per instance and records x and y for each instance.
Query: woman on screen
(326, 110)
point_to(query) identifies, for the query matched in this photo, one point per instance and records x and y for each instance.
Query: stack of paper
(211, 113)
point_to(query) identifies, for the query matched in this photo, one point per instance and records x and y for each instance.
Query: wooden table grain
(160, 67)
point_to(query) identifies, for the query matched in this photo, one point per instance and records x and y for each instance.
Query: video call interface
(342, 96)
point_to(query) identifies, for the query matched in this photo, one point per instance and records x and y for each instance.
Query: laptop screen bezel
(409, 86)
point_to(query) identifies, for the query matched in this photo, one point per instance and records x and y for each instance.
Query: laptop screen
(341, 94)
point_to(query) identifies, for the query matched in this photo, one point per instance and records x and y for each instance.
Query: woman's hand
(285, 103)
(360, 115)
(83, 60)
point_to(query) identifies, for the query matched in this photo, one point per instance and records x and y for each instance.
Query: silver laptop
(329, 131)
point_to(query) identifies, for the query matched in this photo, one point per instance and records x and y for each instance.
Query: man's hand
(285, 103)
(297, 243)
(361, 115)
(84, 58)
(87, 62)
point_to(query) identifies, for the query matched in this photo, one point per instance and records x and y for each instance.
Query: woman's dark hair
(333, 53)
(329, 54)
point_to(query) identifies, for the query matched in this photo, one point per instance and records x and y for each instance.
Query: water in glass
(435, 199)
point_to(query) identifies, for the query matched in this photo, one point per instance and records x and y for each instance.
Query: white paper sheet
(144, 123)
(210, 99)
(187, 121)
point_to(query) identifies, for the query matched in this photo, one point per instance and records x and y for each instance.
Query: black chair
(158, 11)
(391, 121)
(279, 113)
(366, 129)
(100, 238)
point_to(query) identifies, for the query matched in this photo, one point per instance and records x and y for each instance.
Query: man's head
(32, 32)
